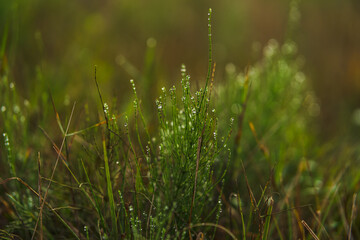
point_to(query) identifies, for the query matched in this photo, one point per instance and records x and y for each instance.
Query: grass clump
(271, 104)
(180, 161)
(183, 170)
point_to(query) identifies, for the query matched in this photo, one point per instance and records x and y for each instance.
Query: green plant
(105, 173)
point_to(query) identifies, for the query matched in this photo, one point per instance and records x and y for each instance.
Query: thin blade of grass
(298, 221)
(39, 190)
(110, 192)
(262, 146)
(92, 126)
(209, 59)
(57, 115)
(10, 158)
(321, 227)
(103, 106)
(353, 210)
(149, 215)
(240, 209)
(278, 229)
(268, 218)
(310, 230)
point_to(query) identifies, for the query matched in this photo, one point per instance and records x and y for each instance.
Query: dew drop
(26, 103)
(16, 109)
(106, 108)
(7, 143)
(183, 68)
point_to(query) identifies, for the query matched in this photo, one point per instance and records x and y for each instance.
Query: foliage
(193, 173)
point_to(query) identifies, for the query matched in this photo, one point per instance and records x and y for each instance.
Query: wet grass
(237, 159)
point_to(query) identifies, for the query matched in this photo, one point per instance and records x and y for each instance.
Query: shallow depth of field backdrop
(66, 40)
(53, 46)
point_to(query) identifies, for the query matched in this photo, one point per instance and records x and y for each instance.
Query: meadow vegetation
(234, 159)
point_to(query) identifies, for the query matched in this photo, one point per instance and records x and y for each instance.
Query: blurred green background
(55, 45)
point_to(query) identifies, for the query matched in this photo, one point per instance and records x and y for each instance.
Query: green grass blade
(10, 158)
(270, 203)
(240, 209)
(110, 193)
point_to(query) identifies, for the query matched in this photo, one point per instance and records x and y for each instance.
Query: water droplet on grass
(26, 103)
(183, 68)
(16, 109)
(106, 108)
(7, 142)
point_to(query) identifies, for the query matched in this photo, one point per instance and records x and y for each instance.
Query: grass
(239, 159)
